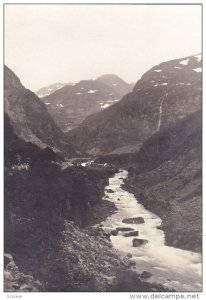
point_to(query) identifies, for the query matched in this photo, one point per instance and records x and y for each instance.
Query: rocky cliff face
(165, 94)
(70, 105)
(30, 119)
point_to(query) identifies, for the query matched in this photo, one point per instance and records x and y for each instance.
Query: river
(172, 267)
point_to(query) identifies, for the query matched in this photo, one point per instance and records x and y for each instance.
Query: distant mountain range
(47, 90)
(164, 95)
(71, 104)
(29, 118)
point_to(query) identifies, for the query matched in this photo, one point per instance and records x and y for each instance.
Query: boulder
(139, 242)
(124, 229)
(133, 233)
(109, 191)
(12, 266)
(145, 275)
(7, 259)
(132, 263)
(26, 287)
(9, 256)
(114, 232)
(8, 276)
(107, 235)
(15, 285)
(137, 220)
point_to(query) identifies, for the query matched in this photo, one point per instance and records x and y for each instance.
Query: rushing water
(172, 267)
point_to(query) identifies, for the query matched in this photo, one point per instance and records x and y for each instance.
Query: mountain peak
(10, 79)
(111, 79)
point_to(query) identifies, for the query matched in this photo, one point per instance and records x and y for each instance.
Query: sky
(44, 44)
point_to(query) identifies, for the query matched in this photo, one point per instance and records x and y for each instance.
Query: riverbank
(175, 198)
(87, 262)
(172, 267)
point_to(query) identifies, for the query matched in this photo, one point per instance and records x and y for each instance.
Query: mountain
(165, 94)
(116, 83)
(48, 90)
(30, 119)
(70, 105)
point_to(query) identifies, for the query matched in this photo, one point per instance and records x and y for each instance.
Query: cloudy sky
(66, 43)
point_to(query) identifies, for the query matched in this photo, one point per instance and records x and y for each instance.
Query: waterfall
(160, 111)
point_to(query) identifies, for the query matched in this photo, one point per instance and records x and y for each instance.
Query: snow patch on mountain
(159, 84)
(105, 105)
(184, 62)
(92, 91)
(198, 70)
(198, 57)
(43, 95)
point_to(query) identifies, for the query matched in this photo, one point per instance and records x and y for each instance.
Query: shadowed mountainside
(30, 119)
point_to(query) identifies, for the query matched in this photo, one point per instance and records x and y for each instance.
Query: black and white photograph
(102, 108)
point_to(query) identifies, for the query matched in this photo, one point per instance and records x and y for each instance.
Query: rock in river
(109, 191)
(133, 233)
(145, 275)
(124, 229)
(114, 232)
(139, 242)
(137, 220)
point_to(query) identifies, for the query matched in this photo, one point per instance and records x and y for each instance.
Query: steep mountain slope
(19, 153)
(30, 119)
(165, 94)
(166, 177)
(70, 105)
(48, 90)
